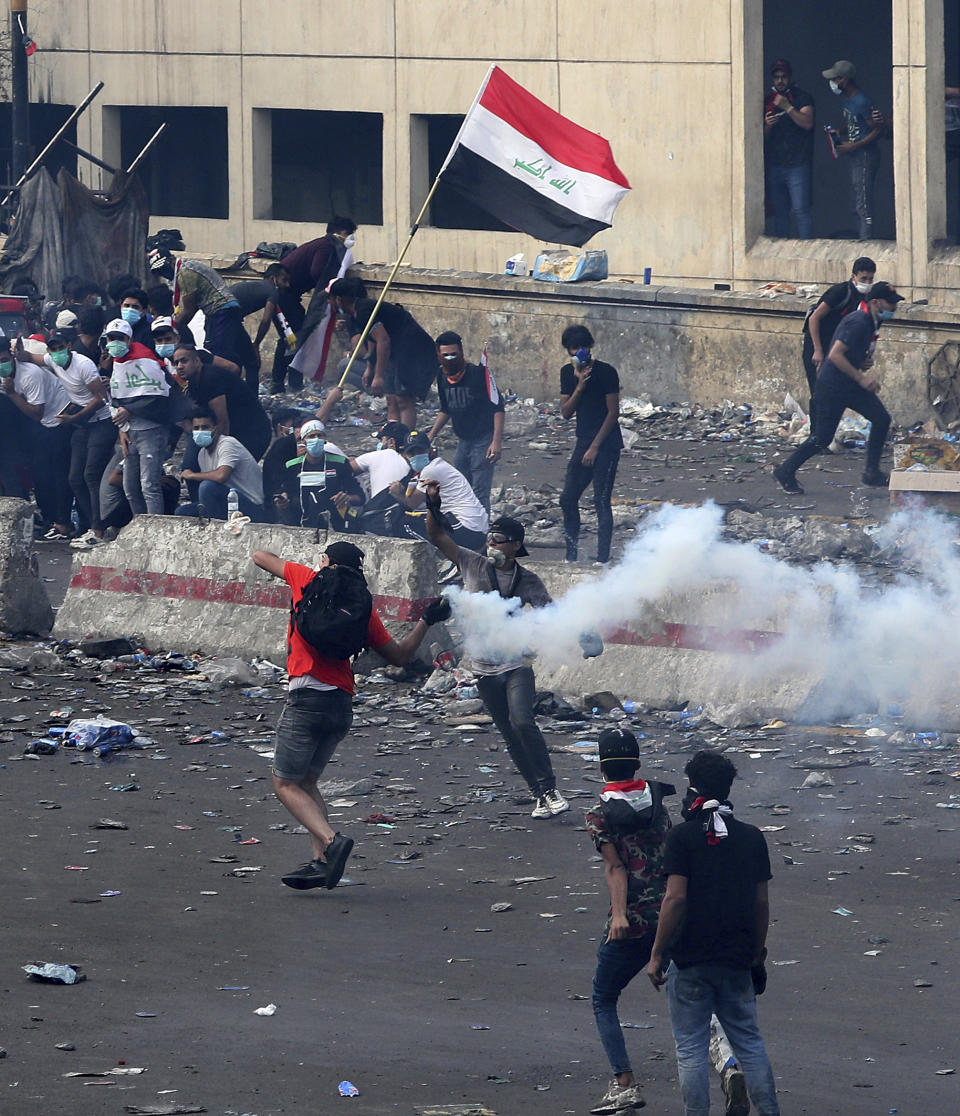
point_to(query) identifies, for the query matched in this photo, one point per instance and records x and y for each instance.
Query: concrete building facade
(282, 112)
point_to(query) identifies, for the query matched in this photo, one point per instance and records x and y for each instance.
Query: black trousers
(50, 465)
(509, 701)
(834, 393)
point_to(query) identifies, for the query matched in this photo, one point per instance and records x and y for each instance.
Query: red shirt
(302, 658)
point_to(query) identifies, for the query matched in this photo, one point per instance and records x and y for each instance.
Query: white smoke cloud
(859, 643)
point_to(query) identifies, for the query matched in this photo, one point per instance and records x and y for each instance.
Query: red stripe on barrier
(149, 583)
(697, 637)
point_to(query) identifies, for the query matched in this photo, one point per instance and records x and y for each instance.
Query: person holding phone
(42, 398)
(589, 389)
(788, 119)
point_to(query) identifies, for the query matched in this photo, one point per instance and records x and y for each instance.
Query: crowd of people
(115, 411)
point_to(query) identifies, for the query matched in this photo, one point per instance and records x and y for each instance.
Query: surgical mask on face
(884, 315)
(166, 350)
(61, 357)
(379, 446)
(130, 315)
(315, 446)
(349, 241)
(117, 348)
(6, 367)
(834, 88)
(863, 288)
(98, 301)
(419, 461)
(202, 438)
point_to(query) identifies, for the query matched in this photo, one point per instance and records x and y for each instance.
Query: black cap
(886, 292)
(417, 443)
(512, 528)
(781, 66)
(345, 554)
(395, 430)
(618, 743)
(64, 335)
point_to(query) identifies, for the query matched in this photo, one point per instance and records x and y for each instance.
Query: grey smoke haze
(859, 644)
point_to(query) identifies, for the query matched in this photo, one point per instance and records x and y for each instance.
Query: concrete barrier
(24, 604)
(693, 649)
(179, 585)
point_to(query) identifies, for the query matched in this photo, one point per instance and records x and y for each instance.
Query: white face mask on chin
(834, 88)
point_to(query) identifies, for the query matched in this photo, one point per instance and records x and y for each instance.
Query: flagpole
(371, 321)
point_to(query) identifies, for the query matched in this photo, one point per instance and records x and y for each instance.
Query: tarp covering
(62, 229)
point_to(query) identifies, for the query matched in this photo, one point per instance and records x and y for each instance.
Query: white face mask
(349, 241)
(834, 88)
(863, 288)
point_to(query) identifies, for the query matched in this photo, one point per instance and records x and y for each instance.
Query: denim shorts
(312, 724)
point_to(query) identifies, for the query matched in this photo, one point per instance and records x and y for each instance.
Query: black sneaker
(336, 853)
(876, 478)
(311, 874)
(787, 481)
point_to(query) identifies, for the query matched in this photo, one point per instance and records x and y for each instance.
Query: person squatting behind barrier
(332, 619)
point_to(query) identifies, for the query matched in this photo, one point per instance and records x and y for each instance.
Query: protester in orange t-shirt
(319, 710)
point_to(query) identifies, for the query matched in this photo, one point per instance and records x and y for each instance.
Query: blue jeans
(789, 190)
(471, 460)
(143, 470)
(693, 995)
(213, 496)
(617, 964)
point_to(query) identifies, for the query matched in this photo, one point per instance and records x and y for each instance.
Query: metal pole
(19, 88)
(63, 127)
(150, 142)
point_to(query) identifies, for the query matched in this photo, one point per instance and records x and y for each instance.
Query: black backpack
(334, 612)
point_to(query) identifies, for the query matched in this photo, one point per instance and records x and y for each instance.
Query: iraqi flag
(493, 392)
(536, 170)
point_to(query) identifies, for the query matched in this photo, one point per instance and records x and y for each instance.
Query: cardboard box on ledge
(935, 484)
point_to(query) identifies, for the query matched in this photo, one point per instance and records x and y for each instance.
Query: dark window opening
(186, 172)
(812, 37)
(324, 163)
(951, 66)
(45, 119)
(449, 209)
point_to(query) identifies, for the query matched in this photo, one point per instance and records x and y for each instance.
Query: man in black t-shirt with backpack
(713, 927)
(832, 307)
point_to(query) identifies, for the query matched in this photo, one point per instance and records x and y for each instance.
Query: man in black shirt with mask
(846, 380)
(713, 928)
(589, 389)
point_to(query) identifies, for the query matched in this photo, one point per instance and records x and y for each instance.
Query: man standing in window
(860, 148)
(788, 119)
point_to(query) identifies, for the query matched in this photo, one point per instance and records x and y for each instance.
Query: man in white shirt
(92, 434)
(466, 517)
(381, 467)
(40, 396)
(225, 464)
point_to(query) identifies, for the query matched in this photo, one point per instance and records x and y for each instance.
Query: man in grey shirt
(507, 687)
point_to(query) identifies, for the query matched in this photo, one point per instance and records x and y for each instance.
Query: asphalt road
(404, 981)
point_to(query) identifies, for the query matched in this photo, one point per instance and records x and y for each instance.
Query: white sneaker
(85, 542)
(618, 1098)
(541, 810)
(556, 803)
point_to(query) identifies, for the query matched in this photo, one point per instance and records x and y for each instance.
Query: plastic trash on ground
(49, 972)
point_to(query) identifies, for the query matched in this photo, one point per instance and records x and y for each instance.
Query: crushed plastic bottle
(101, 732)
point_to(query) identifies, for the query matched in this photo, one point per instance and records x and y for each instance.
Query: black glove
(759, 974)
(437, 611)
